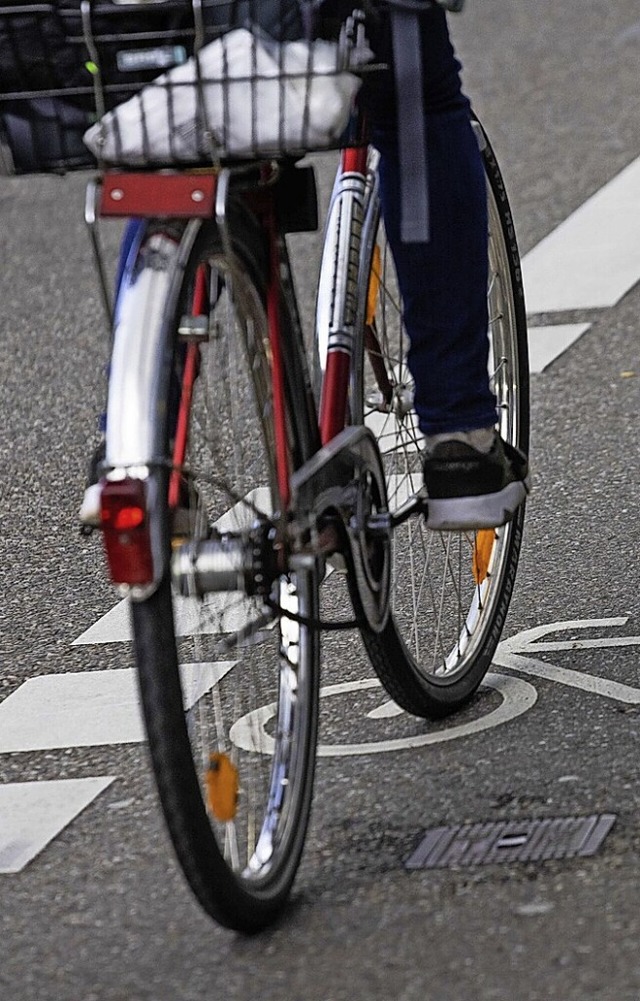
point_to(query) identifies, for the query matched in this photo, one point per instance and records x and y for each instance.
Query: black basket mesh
(251, 90)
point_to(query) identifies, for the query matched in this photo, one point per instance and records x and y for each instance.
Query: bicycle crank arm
(345, 478)
(386, 521)
(325, 481)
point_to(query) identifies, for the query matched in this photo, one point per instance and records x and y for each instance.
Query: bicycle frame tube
(277, 366)
(191, 366)
(351, 225)
(367, 240)
(273, 323)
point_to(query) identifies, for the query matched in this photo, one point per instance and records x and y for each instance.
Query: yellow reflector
(482, 549)
(222, 787)
(374, 287)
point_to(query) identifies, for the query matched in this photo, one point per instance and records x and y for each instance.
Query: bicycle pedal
(418, 503)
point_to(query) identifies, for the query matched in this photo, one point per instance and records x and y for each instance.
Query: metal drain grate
(511, 841)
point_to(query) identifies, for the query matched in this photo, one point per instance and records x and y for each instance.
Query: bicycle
(243, 467)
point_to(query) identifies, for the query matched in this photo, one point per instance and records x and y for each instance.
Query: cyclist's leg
(443, 281)
(443, 284)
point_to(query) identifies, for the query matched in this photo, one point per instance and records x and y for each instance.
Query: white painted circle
(517, 697)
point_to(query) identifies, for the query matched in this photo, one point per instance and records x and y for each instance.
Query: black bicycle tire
(226, 896)
(417, 692)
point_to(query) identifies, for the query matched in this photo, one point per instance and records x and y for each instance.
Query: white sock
(480, 438)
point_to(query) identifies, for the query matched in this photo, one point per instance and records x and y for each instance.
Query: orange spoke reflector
(482, 549)
(221, 780)
(374, 286)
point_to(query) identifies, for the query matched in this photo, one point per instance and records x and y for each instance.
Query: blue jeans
(443, 282)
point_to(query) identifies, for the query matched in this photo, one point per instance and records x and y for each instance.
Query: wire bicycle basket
(170, 83)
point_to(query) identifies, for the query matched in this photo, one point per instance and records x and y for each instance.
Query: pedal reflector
(482, 550)
(374, 286)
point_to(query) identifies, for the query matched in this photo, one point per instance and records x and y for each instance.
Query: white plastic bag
(245, 115)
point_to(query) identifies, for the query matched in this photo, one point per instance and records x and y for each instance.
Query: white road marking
(243, 513)
(101, 707)
(516, 699)
(88, 709)
(112, 627)
(511, 654)
(33, 813)
(386, 711)
(591, 259)
(548, 343)
(528, 639)
(586, 682)
(115, 625)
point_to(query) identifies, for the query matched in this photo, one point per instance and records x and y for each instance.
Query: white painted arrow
(511, 654)
(88, 708)
(33, 813)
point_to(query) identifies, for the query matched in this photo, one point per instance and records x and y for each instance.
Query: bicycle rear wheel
(450, 591)
(229, 688)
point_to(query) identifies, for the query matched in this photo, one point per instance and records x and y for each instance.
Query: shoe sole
(467, 514)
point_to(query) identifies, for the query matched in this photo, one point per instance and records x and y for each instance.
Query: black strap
(412, 138)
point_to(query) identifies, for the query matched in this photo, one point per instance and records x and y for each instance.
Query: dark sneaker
(468, 489)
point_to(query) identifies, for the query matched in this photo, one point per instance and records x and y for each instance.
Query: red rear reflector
(126, 532)
(123, 519)
(180, 195)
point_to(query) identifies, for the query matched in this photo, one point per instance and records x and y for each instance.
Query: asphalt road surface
(93, 907)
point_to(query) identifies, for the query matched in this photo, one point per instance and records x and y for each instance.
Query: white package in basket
(275, 97)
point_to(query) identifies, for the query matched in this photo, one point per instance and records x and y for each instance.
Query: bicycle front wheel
(450, 591)
(229, 687)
